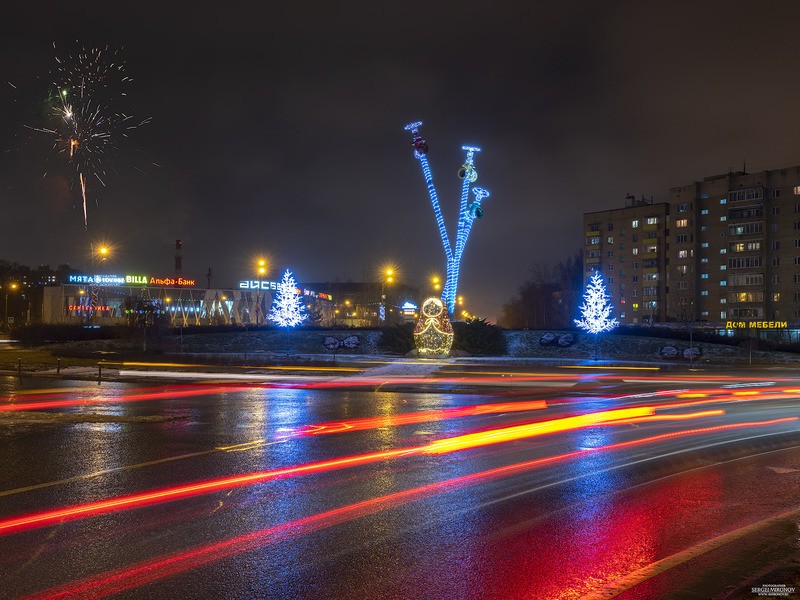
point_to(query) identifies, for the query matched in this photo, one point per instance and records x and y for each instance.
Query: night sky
(277, 129)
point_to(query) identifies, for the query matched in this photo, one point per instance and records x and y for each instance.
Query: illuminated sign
(117, 280)
(756, 324)
(88, 308)
(97, 279)
(258, 284)
(172, 281)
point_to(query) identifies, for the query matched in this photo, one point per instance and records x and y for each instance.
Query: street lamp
(262, 268)
(386, 279)
(436, 283)
(13, 287)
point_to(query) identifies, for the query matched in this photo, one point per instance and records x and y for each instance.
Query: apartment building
(628, 246)
(724, 251)
(735, 248)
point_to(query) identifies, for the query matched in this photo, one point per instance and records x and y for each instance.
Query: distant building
(628, 246)
(724, 251)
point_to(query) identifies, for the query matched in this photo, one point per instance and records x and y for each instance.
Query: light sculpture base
(433, 333)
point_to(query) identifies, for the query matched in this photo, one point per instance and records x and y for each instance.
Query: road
(472, 482)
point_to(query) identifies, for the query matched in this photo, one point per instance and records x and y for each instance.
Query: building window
(635, 238)
(776, 193)
(776, 279)
(704, 276)
(723, 267)
(797, 260)
(776, 262)
(797, 278)
(592, 241)
(683, 254)
(776, 297)
(635, 265)
(704, 245)
(704, 313)
(682, 239)
(723, 201)
(723, 218)
(723, 301)
(682, 223)
(704, 211)
(797, 243)
(774, 228)
(634, 251)
(610, 239)
(635, 293)
(796, 190)
(610, 253)
(611, 227)
(635, 306)
(774, 245)
(651, 221)
(683, 269)
(704, 292)
(723, 283)
(723, 251)
(683, 208)
(704, 228)
(635, 223)
(723, 314)
(776, 210)
(703, 260)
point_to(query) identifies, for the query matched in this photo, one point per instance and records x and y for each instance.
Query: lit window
(635, 223)
(776, 297)
(651, 220)
(704, 292)
(704, 276)
(683, 254)
(704, 245)
(796, 190)
(723, 218)
(723, 314)
(723, 251)
(682, 223)
(723, 201)
(704, 211)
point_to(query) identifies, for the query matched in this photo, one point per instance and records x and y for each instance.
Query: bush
(476, 336)
(397, 339)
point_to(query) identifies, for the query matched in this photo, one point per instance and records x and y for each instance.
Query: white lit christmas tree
(287, 308)
(596, 308)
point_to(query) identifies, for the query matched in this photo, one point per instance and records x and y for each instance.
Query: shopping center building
(110, 299)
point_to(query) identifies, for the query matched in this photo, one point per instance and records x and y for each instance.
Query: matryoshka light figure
(433, 333)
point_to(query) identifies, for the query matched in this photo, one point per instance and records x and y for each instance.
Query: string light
(596, 309)
(466, 215)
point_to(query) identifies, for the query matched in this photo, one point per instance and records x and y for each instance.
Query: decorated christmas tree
(287, 309)
(596, 308)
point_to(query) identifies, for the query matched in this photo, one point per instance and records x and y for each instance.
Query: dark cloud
(279, 128)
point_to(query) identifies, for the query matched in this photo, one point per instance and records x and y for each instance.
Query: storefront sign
(756, 324)
(88, 308)
(118, 280)
(257, 284)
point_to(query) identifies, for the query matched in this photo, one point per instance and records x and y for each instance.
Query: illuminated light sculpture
(433, 333)
(287, 309)
(467, 214)
(596, 308)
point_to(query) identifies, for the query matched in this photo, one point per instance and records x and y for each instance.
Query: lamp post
(13, 286)
(387, 278)
(261, 272)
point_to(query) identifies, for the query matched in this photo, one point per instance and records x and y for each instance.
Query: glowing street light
(12, 287)
(436, 282)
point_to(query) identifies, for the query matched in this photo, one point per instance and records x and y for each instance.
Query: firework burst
(86, 117)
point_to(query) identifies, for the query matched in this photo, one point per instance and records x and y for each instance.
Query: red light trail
(148, 571)
(446, 445)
